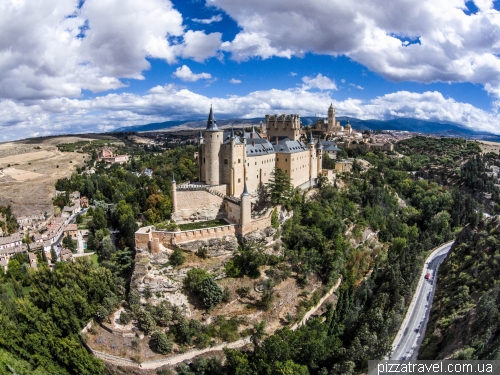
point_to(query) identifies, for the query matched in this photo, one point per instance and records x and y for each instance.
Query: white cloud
(293, 74)
(424, 41)
(355, 86)
(207, 21)
(185, 74)
(319, 82)
(199, 46)
(235, 81)
(54, 49)
(162, 103)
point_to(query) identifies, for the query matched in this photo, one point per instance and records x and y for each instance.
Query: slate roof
(330, 146)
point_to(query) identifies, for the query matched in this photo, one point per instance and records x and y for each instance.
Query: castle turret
(174, 195)
(213, 141)
(245, 210)
(313, 163)
(319, 155)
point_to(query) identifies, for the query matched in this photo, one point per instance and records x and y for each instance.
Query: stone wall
(198, 205)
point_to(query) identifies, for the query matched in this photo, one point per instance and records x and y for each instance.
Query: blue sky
(91, 66)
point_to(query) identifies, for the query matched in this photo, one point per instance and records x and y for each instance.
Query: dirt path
(151, 365)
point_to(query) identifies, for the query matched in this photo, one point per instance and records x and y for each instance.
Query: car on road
(427, 276)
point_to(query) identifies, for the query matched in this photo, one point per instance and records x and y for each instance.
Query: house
(71, 230)
(4, 263)
(84, 202)
(32, 259)
(66, 254)
(107, 156)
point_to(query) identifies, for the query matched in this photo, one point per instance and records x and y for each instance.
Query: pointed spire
(253, 128)
(311, 139)
(211, 123)
(319, 145)
(245, 191)
(173, 179)
(201, 135)
(232, 132)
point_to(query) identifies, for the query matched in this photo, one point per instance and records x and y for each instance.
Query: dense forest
(465, 318)
(410, 215)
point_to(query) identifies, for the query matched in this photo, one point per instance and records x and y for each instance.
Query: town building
(106, 155)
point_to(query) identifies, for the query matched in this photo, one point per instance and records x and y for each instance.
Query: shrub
(146, 322)
(125, 318)
(226, 295)
(243, 291)
(101, 313)
(210, 293)
(193, 279)
(161, 343)
(275, 223)
(177, 258)
(232, 270)
(202, 252)
(134, 298)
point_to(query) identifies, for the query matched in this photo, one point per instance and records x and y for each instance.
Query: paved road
(412, 331)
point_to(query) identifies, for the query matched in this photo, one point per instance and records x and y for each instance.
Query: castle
(235, 160)
(232, 168)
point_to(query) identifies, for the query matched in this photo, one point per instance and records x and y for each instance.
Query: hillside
(400, 124)
(465, 318)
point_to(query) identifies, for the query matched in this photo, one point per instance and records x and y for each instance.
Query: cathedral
(250, 159)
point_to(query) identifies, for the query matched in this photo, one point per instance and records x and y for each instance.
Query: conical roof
(311, 139)
(319, 145)
(211, 123)
(245, 190)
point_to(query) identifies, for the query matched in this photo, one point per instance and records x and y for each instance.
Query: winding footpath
(176, 359)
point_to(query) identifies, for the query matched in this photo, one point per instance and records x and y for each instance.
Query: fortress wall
(175, 238)
(142, 237)
(233, 212)
(198, 205)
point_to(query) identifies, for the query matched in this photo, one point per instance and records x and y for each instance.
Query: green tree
(279, 187)
(68, 243)
(161, 343)
(193, 279)
(177, 258)
(146, 322)
(210, 293)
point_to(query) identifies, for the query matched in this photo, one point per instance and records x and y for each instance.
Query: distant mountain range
(448, 129)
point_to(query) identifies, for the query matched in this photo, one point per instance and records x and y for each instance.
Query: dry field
(487, 146)
(28, 173)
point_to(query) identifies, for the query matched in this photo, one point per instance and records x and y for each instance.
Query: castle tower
(319, 155)
(331, 119)
(201, 157)
(313, 163)
(245, 210)
(283, 126)
(174, 196)
(213, 141)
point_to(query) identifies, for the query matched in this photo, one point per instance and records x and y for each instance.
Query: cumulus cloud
(425, 40)
(54, 48)
(185, 74)
(319, 82)
(235, 81)
(355, 86)
(207, 21)
(162, 103)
